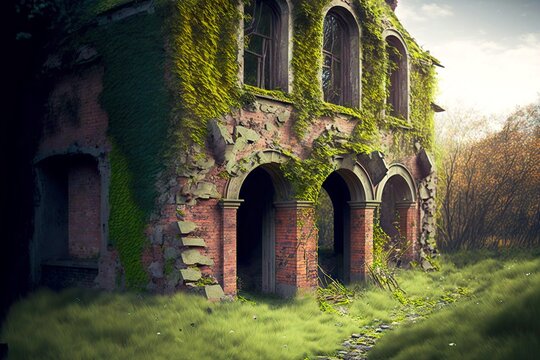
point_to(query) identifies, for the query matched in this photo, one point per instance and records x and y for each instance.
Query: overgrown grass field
(487, 306)
(499, 320)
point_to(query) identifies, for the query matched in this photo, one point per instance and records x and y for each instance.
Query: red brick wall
(361, 255)
(408, 227)
(296, 248)
(229, 218)
(84, 208)
(75, 114)
(296, 235)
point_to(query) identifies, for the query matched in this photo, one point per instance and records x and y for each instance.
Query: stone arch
(356, 177)
(402, 172)
(400, 78)
(345, 12)
(398, 211)
(270, 161)
(345, 252)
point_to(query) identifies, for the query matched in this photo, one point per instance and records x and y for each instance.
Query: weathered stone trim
(402, 171)
(364, 204)
(230, 203)
(294, 204)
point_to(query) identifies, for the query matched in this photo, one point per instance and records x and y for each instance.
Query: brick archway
(270, 160)
(282, 225)
(353, 209)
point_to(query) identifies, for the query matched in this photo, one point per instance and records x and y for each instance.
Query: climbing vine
(135, 98)
(204, 49)
(174, 71)
(374, 16)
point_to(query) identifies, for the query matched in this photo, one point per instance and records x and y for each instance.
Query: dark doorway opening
(256, 234)
(395, 192)
(333, 253)
(68, 222)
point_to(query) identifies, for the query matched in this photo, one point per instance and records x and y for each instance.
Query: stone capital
(295, 204)
(368, 204)
(230, 203)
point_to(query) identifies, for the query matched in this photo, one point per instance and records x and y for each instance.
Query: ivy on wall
(374, 17)
(204, 48)
(136, 100)
(174, 71)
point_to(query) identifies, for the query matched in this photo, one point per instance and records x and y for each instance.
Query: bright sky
(490, 50)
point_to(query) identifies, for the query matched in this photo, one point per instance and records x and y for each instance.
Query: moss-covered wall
(135, 97)
(168, 74)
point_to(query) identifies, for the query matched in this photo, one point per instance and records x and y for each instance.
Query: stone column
(408, 229)
(296, 247)
(228, 242)
(361, 250)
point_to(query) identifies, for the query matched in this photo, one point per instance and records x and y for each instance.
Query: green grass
(493, 313)
(499, 320)
(78, 324)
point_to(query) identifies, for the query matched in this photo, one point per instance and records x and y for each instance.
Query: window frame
(401, 94)
(280, 61)
(351, 72)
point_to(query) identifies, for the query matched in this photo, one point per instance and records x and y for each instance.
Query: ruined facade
(147, 177)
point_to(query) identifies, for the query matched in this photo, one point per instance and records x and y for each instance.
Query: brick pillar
(407, 228)
(296, 247)
(229, 209)
(361, 250)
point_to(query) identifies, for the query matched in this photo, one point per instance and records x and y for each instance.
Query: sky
(490, 50)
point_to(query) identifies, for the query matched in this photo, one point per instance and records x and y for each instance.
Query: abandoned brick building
(186, 143)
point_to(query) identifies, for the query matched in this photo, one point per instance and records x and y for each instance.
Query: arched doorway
(256, 233)
(398, 213)
(334, 245)
(348, 192)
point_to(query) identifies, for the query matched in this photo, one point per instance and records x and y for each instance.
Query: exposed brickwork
(77, 120)
(228, 218)
(361, 254)
(408, 216)
(75, 114)
(207, 217)
(296, 248)
(84, 210)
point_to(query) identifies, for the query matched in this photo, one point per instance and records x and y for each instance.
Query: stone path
(357, 346)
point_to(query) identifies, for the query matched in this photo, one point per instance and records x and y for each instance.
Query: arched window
(262, 37)
(398, 92)
(341, 53)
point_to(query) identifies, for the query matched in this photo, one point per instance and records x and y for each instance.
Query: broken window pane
(261, 44)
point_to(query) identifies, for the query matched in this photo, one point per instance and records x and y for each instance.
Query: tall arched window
(341, 54)
(398, 92)
(335, 67)
(262, 30)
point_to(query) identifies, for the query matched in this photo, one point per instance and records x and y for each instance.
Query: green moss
(126, 220)
(136, 100)
(168, 268)
(307, 176)
(204, 47)
(274, 94)
(374, 16)
(306, 61)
